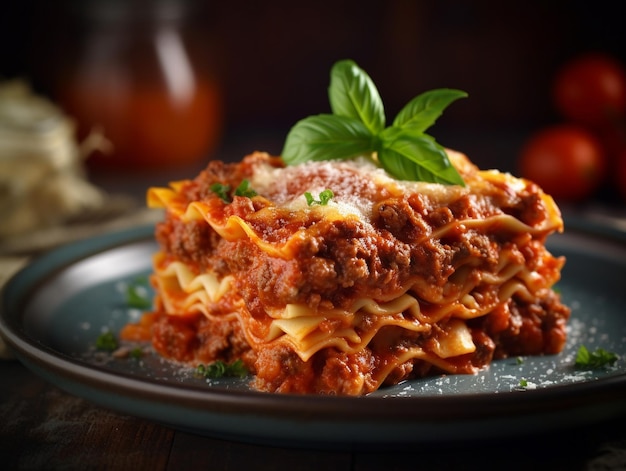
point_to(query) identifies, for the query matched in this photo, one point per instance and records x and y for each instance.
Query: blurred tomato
(591, 89)
(566, 160)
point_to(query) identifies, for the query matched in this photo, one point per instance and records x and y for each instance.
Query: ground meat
(195, 339)
(191, 242)
(431, 243)
(329, 372)
(521, 328)
(279, 369)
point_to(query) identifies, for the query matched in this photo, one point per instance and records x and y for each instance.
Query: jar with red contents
(139, 73)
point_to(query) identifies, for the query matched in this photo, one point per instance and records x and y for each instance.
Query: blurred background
(272, 58)
(174, 83)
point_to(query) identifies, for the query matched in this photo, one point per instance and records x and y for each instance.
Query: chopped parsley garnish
(324, 197)
(357, 127)
(223, 191)
(523, 383)
(107, 342)
(220, 369)
(137, 294)
(599, 358)
(136, 353)
(244, 190)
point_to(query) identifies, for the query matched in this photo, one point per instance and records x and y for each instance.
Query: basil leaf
(352, 94)
(422, 111)
(414, 156)
(357, 127)
(327, 137)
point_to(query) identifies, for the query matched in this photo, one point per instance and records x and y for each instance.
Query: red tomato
(565, 160)
(591, 89)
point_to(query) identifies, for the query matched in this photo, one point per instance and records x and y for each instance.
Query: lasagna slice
(334, 278)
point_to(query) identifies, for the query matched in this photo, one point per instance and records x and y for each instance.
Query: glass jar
(141, 75)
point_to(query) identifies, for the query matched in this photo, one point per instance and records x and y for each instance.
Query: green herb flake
(221, 190)
(357, 127)
(324, 197)
(589, 360)
(220, 369)
(519, 360)
(523, 383)
(137, 294)
(136, 353)
(107, 342)
(244, 190)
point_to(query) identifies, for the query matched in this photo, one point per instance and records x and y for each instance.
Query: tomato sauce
(339, 261)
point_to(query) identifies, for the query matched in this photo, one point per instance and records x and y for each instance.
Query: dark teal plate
(54, 310)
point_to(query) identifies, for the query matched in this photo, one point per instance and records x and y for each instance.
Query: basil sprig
(357, 126)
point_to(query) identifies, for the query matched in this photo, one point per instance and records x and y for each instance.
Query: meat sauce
(341, 260)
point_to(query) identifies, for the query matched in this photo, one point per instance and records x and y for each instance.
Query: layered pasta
(385, 281)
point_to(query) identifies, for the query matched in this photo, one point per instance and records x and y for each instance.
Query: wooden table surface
(42, 427)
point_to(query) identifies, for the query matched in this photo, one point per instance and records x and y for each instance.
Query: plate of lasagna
(56, 310)
(366, 286)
